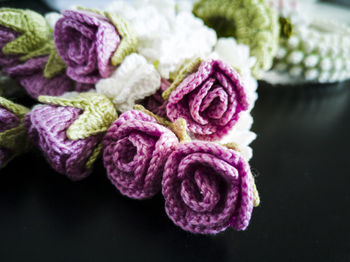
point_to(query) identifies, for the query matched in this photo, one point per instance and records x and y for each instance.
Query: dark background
(301, 158)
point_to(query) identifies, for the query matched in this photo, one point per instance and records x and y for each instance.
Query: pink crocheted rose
(8, 120)
(47, 126)
(207, 188)
(155, 103)
(30, 73)
(210, 100)
(86, 41)
(135, 150)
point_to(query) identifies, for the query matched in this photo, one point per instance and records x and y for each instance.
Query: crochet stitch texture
(86, 41)
(207, 188)
(210, 100)
(251, 22)
(135, 150)
(70, 132)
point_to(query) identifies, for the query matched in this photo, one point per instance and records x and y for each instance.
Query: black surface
(301, 158)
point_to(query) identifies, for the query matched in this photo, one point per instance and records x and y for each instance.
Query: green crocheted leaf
(98, 113)
(14, 139)
(54, 64)
(32, 26)
(251, 22)
(128, 43)
(95, 154)
(19, 110)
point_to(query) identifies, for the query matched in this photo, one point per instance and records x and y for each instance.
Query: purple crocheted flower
(86, 42)
(207, 188)
(8, 120)
(30, 73)
(155, 103)
(135, 150)
(210, 100)
(47, 126)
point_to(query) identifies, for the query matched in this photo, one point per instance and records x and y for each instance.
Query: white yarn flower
(133, 80)
(52, 18)
(242, 135)
(166, 39)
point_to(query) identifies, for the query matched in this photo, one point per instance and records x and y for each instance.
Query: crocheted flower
(13, 137)
(237, 56)
(207, 188)
(91, 45)
(30, 75)
(169, 38)
(210, 99)
(133, 80)
(70, 132)
(28, 54)
(135, 150)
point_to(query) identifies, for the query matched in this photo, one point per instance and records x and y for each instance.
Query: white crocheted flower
(133, 80)
(52, 18)
(242, 135)
(165, 38)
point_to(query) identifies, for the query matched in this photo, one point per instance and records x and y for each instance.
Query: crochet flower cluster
(164, 101)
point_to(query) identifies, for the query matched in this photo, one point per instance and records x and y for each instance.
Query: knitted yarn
(251, 22)
(13, 137)
(89, 43)
(132, 81)
(70, 132)
(210, 99)
(135, 150)
(207, 188)
(28, 54)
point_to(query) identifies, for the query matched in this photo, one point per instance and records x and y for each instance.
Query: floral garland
(91, 70)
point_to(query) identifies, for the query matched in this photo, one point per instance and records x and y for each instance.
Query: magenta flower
(210, 100)
(86, 42)
(47, 126)
(135, 150)
(207, 188)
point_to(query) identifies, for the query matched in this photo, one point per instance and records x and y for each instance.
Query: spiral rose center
(214, 105)
(125, 155)
(132, 153)
(201, 193)
(213, 101)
